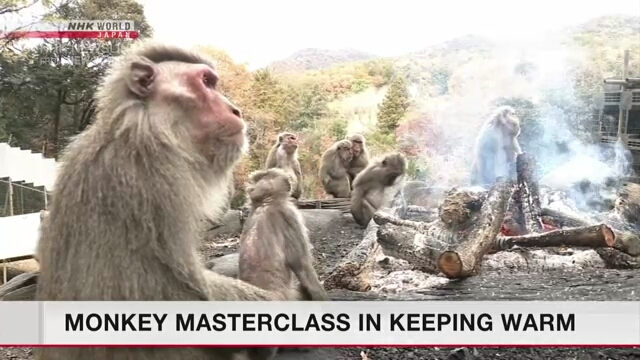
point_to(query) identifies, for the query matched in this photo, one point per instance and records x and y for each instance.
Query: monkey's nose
(236, 111)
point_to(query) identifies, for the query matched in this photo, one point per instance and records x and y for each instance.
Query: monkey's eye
(209, 80)
(384, 162)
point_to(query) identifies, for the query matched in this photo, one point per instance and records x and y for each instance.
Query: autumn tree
(393, 107)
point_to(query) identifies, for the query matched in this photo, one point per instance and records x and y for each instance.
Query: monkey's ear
(142, 74)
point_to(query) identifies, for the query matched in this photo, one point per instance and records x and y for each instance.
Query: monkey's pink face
(291, 144)
(216, 116)
(356, 148)
(213, 119)
(512, 123)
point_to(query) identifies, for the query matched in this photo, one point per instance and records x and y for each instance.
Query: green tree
(312, 106)
(51, 94)
(393, 107)
(440, 77)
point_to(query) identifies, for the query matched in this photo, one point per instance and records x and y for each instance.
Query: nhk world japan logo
(73, 29)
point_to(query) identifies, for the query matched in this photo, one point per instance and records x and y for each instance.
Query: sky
(257, 32)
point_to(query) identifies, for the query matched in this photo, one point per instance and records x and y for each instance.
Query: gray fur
(333, 169)
(369, 185)
(130, 197)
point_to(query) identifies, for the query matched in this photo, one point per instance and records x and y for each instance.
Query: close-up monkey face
(173, 89)
(290, 143)
(511, 122)
(395, 164)
(356, 148)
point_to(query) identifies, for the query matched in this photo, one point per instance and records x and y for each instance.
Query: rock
(226, 265)
(20, 281)
(230, 223)
(318, 220)
(27, 293)
(460, 354)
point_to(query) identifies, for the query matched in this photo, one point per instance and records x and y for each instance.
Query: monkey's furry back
(279, 218)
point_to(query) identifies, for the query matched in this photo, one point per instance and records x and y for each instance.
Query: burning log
(625, 241)
(466, 259)
(529, 194)
(513, 224)
(595, 236)
(562, 219)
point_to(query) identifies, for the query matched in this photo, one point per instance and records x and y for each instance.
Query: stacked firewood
(472, 223)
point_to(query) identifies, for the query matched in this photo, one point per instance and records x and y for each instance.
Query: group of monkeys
(132, 190)
(346, 171)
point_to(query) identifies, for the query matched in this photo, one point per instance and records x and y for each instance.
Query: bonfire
(515, 216)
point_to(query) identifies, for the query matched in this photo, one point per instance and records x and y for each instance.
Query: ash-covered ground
(333, 241)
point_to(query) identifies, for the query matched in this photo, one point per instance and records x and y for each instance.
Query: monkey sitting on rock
(126, 218)
(360, 158)
(334, 167)
(370, 184)
(496, 147)
(284, 155)
(275, 245)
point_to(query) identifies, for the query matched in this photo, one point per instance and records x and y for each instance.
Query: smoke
(555, 130)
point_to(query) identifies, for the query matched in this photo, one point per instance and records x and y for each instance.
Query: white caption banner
(321, 323)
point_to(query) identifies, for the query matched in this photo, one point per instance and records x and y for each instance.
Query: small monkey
(360, 158)
(126, 219)
(284, 155)
(333, 169)
(274, 245)
(496, 147)
(370, 184)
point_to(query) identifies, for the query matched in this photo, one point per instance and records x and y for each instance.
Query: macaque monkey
(132, 191)
(333, 169)
(44, 215)
(360, 158)
(274, 245)
(284, 155)
(496, 147)
(370, 184)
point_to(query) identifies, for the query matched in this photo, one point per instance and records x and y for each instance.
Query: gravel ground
(337, 240)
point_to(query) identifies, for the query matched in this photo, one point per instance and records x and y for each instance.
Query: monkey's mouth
(238, 138)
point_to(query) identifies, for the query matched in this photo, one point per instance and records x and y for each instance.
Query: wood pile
(342, 204)
(471, 224)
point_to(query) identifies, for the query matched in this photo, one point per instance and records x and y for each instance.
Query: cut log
(628, 242)
(382, 218)
(355, 271)
(616, 259)
(529, 193)
(412, 245)
(595, 236)
(625, 241)
(465, 260)
(627, 203)
(563, 219)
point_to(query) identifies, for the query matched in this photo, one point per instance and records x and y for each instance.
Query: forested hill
(427, 104)
(316, 59)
